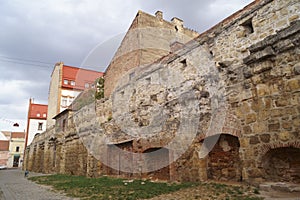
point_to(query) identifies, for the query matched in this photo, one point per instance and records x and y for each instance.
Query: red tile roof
(17, 135)
(6, 133)
(4, 145)
(80, 76)
(38, 111)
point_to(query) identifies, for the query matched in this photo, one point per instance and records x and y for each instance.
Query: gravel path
(13, 186)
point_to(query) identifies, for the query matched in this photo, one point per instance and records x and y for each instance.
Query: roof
(80, 76)
(18, 135)
(3, 136)
(6, 133)
(65, 111)
(4, 145)
(37, 111)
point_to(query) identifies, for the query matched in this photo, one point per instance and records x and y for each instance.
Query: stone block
(247, 130)
(259, 127)
(274, 88)
(265, 138)
(244, 142)
(262, 67)
(244, 108)
(263, 115)
(244, 95)
(276, 112)
(258, 105)
(254, 140)
(296, 69)
(288, 125)
(247, 72)
(282, 101)
(284, 136)
(262, 90)
(250, 118)
(293, 85)
(293, 18)
(296, 122)
(268, 102)
(274, 127)
(281, 23)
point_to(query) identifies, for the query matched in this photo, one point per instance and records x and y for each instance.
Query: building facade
(12, 149)
(4, 149)
(36, 120)
(66, 84)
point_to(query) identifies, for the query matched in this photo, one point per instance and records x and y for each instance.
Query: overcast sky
(35, 34)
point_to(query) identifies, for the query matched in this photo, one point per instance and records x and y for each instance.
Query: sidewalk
(13, 186)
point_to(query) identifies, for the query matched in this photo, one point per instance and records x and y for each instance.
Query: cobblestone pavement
(14, 186)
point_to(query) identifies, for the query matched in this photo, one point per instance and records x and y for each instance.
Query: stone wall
(148, 39)
(217, 108)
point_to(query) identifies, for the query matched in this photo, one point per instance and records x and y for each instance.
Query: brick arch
(274, 145)
(280, 162)
(221, 157)
(155, 160)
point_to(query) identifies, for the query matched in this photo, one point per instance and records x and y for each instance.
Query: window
(66, 82)
(71, 100)
(86, 85)
(64, 101)
(17, 149)
(248, 27)
(40, 126)
(64, 123)
(38, 114)
(72, 83)
(184, 64)
(44, 115)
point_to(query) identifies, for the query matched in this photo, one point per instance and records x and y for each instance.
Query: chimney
(159, 15)
(177, 22)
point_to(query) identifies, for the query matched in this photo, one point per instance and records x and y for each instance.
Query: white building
(66, 84)
(36, 121)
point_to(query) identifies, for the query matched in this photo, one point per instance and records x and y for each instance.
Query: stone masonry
(224, 106)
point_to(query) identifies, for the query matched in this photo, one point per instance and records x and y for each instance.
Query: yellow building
(16, 149)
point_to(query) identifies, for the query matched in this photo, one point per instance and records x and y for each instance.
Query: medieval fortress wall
(224, 106)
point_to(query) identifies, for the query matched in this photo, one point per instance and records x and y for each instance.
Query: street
(14, 186)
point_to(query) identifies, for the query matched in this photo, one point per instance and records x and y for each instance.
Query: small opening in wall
(40, 126)
(248, 26)
(64, 124)
(148, 80)
(176, 28)
(131, 75)
(184, 63)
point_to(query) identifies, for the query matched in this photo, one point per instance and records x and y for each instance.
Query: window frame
(40, 126)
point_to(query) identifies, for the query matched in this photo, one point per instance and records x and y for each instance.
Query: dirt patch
(212, 191)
